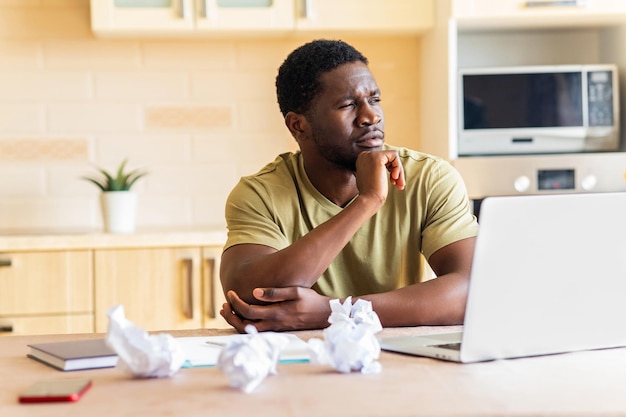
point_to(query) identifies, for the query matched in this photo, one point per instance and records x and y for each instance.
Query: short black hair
(297, 82)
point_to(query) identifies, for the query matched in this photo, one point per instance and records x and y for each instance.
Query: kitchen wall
(197, 114)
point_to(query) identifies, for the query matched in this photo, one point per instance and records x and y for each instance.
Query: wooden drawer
(46, 283)
(65, 323)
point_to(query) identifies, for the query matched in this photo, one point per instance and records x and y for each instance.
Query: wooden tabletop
(580, 384)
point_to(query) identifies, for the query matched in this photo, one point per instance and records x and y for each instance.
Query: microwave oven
(538, 110)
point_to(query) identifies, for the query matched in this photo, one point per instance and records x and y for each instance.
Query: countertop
(588, 383)
(92, 239)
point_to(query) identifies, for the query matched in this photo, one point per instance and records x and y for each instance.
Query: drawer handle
(5, 262)
(184, 9)
(203, 8)
(307, 12)
(6, 328)
(556, 3)
(209, 285)
(188, 288)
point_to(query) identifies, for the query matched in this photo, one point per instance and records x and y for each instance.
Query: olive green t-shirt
(278, 205)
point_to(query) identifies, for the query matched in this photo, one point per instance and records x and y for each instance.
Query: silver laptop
(549, 276)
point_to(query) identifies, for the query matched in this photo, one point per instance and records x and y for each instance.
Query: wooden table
(581, 384)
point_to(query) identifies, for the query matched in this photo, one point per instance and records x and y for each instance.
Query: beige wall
(197, 114)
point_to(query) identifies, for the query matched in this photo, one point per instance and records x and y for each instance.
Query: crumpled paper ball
(141, 354)
(247, 361)
(349, 342)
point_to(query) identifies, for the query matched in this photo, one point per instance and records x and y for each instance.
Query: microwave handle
(556, 3)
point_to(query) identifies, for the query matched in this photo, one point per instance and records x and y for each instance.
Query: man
(347, 214)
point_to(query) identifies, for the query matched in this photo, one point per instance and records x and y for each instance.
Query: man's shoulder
(415, 158)
(276, 171)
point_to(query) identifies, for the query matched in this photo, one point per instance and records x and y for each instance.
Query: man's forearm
(303, 262)
(440, 301)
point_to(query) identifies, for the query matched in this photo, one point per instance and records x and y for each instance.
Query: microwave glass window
(501, 101)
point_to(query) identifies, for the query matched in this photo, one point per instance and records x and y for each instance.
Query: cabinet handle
(203, 8)
(6, 328)
(307, 12)
(184, 9)
(556, 3)
(5, 262)
(209, 285)
(187, 264)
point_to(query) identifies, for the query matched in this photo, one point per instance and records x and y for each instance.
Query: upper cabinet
(188, 17)
(507, 14)
(374, 16)
(182, 18)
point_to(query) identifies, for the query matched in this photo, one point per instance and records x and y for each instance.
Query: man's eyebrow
(352, 96)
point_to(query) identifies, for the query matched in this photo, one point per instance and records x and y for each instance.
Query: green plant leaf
(122, 181)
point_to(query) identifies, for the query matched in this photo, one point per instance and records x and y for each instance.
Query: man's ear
(297, 125)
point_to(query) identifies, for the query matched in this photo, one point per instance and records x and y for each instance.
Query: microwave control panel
(543, 174)
(600, 89)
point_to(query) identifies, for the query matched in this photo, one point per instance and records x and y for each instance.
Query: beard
(343, 157)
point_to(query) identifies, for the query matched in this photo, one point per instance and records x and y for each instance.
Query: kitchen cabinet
(160, 288)
(266, 17)
(485, 14)
(46, 292)
(187, 17)
(500, 33)
(365, 16)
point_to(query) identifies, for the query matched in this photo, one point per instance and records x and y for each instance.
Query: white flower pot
(119, 211)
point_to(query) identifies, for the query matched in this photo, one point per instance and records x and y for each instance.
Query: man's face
(346, 118)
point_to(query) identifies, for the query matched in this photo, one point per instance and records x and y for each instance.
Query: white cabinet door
(128, 17)
(392, 16)
(189, 17)
(483, 14)
(182, 18)
(248, 15)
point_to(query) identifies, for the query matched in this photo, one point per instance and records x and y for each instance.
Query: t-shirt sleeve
(250, 217)
(449, 215)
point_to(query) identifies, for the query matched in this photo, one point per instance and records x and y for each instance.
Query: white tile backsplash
(140, 86)
(91, 54)
(20, 55)
(235, 85)
(42, 85)
(191, 55)
(49, 213)
(144, 150)
(160, 209)
(90, 117)
(21, 118)
(196, 113)
(22, 181)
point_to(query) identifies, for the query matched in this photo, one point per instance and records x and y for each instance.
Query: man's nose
(369, 116)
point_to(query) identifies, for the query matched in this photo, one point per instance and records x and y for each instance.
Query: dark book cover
(75, 354)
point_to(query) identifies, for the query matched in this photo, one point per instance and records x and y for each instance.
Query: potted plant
(118, 202)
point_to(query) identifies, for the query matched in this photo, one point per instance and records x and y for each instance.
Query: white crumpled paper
(247, 361)
(141, 354)
(349, 342)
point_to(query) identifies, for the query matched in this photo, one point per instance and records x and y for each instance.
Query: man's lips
(370, 143)
(371, 140)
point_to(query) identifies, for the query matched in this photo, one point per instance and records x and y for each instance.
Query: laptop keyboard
(451, 346)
